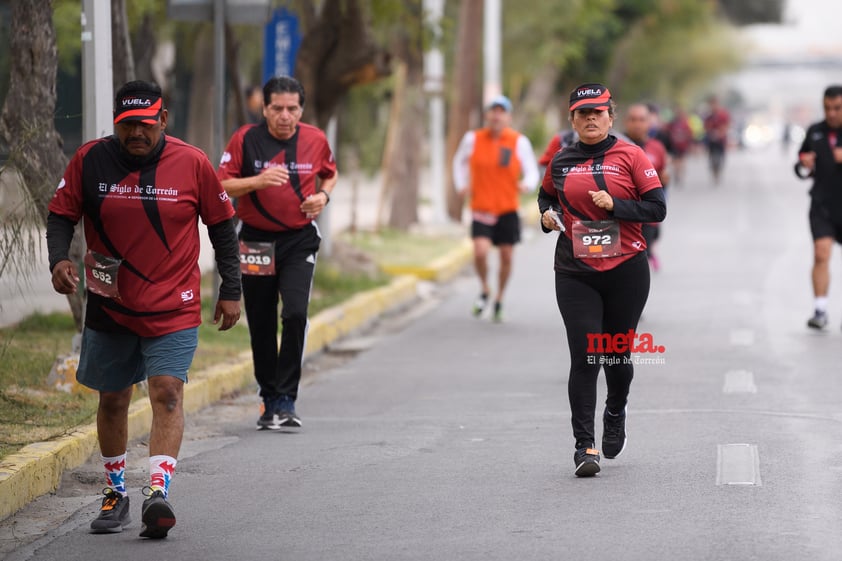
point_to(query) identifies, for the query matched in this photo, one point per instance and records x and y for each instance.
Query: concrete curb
(439, 270)
(37, 469)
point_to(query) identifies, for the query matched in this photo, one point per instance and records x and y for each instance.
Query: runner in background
(681, 141)
(638, 129)
(820, 158)
(272, 168)
(494, 165)
(716, 123)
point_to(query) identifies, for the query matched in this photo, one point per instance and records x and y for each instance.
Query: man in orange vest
(494, 164)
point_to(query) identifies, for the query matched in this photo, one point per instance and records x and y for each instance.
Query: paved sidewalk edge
(37, 469)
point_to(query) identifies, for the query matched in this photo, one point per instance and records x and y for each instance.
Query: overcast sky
(811, 28)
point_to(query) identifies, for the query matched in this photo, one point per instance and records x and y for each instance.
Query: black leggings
(608, 302)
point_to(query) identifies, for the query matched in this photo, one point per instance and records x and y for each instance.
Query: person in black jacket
(820, 157)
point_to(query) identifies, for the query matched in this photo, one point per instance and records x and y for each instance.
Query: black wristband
(327, 196)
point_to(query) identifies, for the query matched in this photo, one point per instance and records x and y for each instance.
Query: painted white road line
(737, 464)
(739, 381)
(742, 337)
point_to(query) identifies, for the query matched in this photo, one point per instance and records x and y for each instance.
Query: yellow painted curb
(37, 468)
(442, 269)
(333, 323)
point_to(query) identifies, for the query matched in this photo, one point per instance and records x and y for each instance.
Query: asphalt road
(440, 436)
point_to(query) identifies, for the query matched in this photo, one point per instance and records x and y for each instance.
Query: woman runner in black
(598, 191)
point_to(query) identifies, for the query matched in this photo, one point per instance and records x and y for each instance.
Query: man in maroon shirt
(637, 124)
(271, 168)
(717, 122)
(140, 194)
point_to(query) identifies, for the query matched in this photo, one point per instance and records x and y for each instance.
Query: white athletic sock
(115, 472)
(161, 470)
(821, 304)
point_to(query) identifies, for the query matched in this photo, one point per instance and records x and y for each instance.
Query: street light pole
(218, 78)
(492, 27)
(97, 70)
(218, 99)
(433, 85)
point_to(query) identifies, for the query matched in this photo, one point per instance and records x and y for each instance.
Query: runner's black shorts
(505, 232)
(824, 224)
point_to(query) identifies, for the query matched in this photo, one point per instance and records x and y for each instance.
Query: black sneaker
(285, 410)
(818, 321)
(113, 514)
(587, 462)
(613, 434)
(289, 420)
(157, 515)
(270, 420)
(480, 304)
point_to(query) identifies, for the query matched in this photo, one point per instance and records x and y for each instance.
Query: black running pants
(607, 303)
(278, 372)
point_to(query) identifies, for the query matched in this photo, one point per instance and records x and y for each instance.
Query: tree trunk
(237, 112)
(337, 52)
(539, 97)
(122, 59)
(202, 114)
(144, 46)
(28, 112)
(466, 92)
(403, 171)
(27, 119)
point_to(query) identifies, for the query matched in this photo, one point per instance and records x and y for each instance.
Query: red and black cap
(138, 101)
(590, 96)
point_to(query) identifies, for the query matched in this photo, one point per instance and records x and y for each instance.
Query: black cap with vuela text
(138, 101)
(590, 96)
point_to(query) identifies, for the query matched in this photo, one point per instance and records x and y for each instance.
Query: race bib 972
(596, 238)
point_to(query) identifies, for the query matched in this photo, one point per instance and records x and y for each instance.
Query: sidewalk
(37, 469)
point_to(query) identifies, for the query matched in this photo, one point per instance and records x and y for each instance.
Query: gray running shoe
(113, 514)
(818, 321)
(157, 515)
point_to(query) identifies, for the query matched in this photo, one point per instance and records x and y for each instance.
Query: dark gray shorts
(112, 362)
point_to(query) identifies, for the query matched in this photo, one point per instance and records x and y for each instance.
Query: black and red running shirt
(657, 154)
(827, 175)
(147, 215)
(306, 155)
(619, 167)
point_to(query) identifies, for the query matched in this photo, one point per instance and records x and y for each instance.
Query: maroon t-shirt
(306, 155)
(145, 214)
(624, 171)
